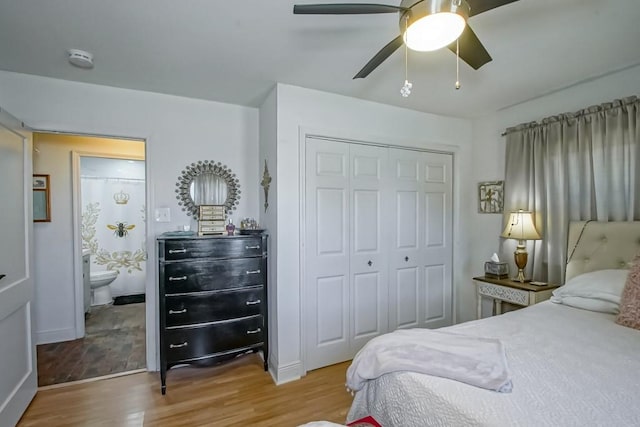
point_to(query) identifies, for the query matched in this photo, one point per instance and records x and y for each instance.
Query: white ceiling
(235, 51)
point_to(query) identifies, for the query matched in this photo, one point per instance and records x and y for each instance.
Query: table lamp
(520, 227)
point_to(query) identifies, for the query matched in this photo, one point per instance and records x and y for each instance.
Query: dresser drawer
(213, 306)
(205, 275)
(212, 248)
(188, 343)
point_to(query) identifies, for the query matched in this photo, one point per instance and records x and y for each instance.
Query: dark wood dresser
(212, 299)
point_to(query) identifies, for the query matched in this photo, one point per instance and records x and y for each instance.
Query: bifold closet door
(420, 280)
(345, 255)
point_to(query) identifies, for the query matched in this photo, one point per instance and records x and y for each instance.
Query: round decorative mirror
(207, 183)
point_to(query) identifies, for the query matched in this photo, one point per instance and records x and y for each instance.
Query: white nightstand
(499, 290)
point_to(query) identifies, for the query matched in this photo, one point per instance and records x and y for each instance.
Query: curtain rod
(574, 115)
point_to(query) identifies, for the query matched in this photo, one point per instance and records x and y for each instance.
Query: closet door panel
(332, 327)
(437, 240)
(405, 276)
(331, 221)
(435, 298)
(326, 286)
(406, 308)
(368, 257)
(366, 305)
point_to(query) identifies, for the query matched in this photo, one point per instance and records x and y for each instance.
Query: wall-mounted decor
(490, 197)
(41, 199)
(265, 183)
(207, 183)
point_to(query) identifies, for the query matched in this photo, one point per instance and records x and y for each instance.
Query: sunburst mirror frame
(187, 176)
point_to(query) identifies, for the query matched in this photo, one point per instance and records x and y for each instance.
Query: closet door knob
(406, 259)
(370, 263)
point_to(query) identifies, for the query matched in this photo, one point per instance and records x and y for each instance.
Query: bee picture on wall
(121, 229)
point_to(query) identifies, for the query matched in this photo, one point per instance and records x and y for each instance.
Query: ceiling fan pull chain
(405, 90)
(458, 63)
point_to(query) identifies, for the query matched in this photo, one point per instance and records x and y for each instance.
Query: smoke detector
(80, 58)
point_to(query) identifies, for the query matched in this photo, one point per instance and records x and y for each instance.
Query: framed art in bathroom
(41, 199)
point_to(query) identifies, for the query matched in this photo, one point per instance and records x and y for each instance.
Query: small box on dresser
(212, 299)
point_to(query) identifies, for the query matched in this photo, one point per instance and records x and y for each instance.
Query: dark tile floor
(114, 342)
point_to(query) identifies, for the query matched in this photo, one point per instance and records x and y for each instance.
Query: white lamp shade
(520, 227)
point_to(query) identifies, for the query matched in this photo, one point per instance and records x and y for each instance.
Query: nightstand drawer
(512, 295)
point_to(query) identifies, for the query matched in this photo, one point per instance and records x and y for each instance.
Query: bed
(569, 366)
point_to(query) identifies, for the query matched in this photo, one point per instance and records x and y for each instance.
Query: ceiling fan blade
(471, 49)
(380, 57)
(344, 9)
(478, 6)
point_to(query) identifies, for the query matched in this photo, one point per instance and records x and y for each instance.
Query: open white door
(18, 377)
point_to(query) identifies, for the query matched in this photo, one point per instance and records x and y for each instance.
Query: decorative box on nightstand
(514, 292)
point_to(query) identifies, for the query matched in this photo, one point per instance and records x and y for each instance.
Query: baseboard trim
(282, 374)
(56, 335)
(90, 380)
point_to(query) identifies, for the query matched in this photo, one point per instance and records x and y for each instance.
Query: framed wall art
(41, 199)
(490, 197)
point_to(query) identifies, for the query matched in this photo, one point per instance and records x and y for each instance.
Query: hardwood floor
(238, 393)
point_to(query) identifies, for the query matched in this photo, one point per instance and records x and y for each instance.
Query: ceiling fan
(424, 25)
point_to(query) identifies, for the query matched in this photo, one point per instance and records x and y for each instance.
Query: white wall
(177, 131)
(303, 110)
(489, 150)
(268, 130)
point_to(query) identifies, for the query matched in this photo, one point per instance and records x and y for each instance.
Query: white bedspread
(570, 367)
(477, 361)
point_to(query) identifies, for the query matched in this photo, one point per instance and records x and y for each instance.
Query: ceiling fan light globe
(434, 31)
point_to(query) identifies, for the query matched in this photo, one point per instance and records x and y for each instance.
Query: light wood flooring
(237, 393)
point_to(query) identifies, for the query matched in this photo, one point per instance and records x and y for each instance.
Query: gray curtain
(574, 166)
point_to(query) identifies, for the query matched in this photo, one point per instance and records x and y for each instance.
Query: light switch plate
(163, 215)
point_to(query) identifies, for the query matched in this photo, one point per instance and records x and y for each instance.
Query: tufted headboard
(599, 245)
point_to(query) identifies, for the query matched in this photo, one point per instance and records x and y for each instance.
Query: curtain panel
(574, 166)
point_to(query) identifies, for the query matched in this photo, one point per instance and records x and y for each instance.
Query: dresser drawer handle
(253, 271)
(255, 331)
(177, 251)
(184, 310)
(177, 279)
(252, 247)
(253, 302)
(184, 344)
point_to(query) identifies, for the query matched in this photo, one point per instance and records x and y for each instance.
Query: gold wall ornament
(121, 198)
(266, 181)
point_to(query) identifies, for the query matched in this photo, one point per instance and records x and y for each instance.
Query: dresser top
(215, 236)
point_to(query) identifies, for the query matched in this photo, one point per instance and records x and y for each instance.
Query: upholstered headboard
(599, 245)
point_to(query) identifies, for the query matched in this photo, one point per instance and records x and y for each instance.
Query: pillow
(599, 290)
(630, 303)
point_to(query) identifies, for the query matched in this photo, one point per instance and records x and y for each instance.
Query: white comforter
(570, 367)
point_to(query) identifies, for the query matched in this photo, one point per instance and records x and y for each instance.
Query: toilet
(100, 289)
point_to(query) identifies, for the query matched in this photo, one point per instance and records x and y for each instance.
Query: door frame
(76, 207)
(303, 134)
(151, 291)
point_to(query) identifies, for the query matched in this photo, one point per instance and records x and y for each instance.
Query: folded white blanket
(477, 361)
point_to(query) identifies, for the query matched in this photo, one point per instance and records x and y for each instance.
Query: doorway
(100, 280)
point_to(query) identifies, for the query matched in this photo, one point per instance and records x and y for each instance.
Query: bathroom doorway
(105, 336)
